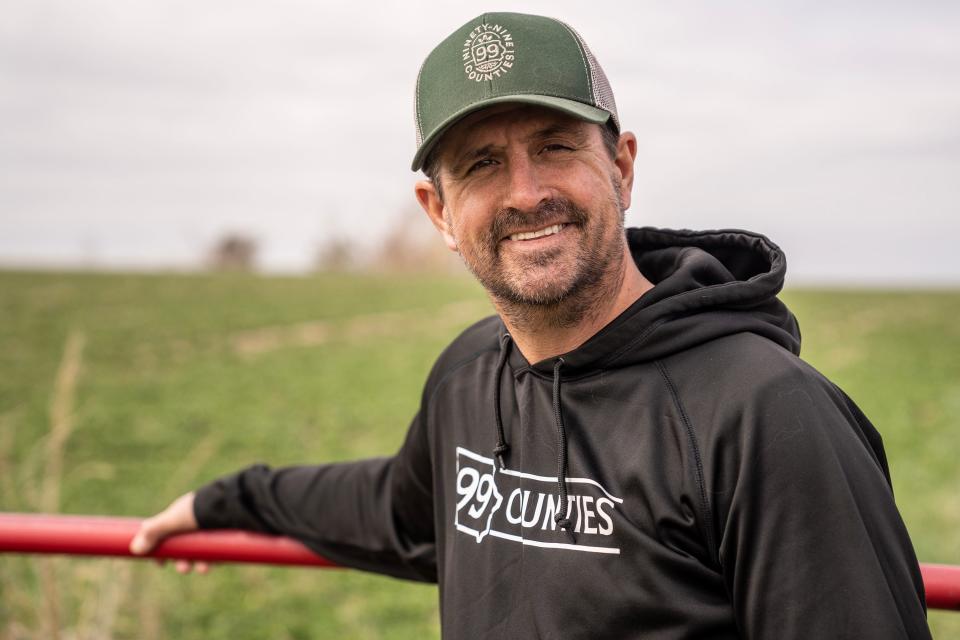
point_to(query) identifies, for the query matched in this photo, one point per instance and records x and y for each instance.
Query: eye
(480, 164)
(555, 146)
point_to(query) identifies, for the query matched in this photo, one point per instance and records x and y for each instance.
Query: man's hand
(177, 518)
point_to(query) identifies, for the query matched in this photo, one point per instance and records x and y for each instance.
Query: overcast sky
(135, 133)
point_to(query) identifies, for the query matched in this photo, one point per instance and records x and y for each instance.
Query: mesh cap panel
(599, 85)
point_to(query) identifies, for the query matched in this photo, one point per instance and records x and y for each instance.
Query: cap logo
(488, 52)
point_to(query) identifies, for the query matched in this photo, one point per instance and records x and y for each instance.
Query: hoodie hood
(707, 284)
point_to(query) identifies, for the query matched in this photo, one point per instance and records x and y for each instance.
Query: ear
(626, 155)
(428, 198)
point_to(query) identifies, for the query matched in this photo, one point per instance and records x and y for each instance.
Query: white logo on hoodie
(520, 507)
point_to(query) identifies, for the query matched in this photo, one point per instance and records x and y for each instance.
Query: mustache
(509, 219)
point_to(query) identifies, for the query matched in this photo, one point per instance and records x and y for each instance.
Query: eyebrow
(574, 130)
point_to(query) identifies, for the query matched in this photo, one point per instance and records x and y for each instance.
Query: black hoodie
(682, 474)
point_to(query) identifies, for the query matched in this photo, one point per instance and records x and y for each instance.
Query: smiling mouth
(539, 233)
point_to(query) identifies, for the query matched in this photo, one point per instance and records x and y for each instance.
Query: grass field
(120, 392)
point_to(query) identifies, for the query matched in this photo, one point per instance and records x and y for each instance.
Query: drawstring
(502, 446)
(561, 518)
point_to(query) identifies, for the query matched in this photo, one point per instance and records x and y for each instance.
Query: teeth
(530, 235)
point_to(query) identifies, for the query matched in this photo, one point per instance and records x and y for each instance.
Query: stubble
(544, 290)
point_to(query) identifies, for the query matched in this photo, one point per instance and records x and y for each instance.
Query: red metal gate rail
(109, 536)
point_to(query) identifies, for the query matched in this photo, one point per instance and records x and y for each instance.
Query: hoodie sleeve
(375, 515)
(810, 541)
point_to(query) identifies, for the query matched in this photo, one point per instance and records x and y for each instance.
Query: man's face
(533, 203)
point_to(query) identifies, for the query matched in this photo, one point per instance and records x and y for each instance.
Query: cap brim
(571, 107)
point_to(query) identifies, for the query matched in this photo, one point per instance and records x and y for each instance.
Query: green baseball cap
(508, 57)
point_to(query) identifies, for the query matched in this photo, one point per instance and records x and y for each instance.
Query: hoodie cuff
(210, 506)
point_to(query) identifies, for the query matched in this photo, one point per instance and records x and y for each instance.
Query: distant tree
(233, 252)
(335, 254)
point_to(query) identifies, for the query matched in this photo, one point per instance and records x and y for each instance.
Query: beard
(557, 286)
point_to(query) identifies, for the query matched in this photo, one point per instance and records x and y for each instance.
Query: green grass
(177, 387)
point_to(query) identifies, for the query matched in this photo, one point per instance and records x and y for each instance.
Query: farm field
(119, 392)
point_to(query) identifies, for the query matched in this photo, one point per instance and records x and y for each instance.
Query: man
(631, 448)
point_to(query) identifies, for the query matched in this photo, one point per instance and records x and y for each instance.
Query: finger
(176, 518)
(202, 567)
(151, 532)
(183, 566)
(145, 538)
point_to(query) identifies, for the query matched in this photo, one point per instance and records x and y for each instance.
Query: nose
(525, 187)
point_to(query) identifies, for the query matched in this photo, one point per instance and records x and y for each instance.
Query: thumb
(146, 538)
(176, 518)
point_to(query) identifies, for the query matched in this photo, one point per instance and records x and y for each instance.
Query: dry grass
(61, 426)
(61, 419)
